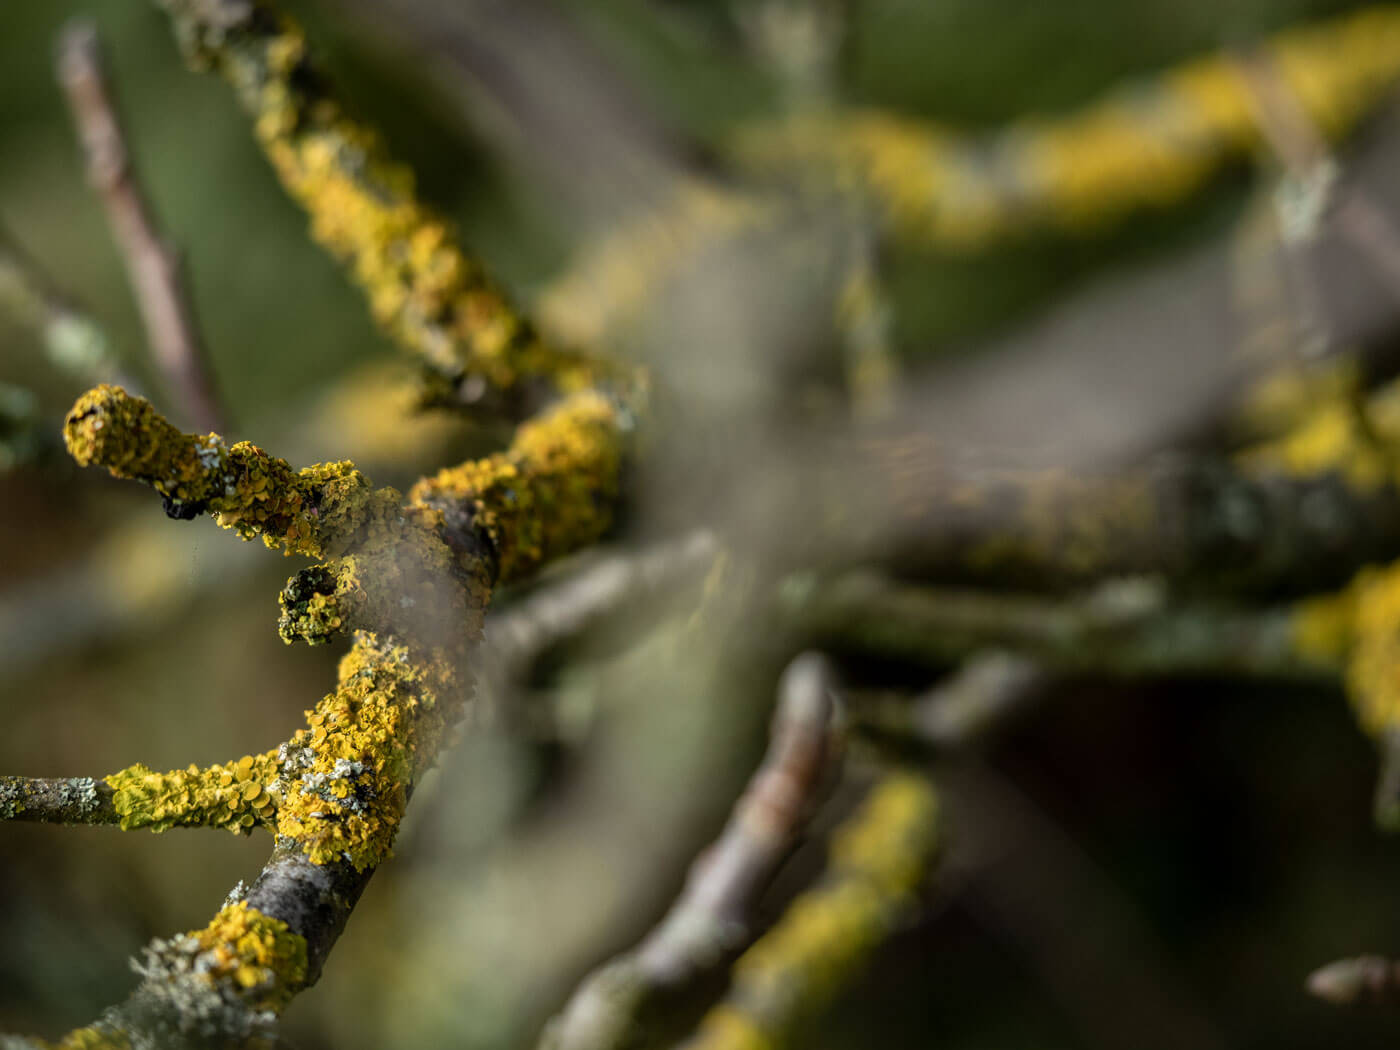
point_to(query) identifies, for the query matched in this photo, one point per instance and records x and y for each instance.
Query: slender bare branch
(964, 707)
(517, 636)
(710, 920)
(152, 264)
(1350, 982)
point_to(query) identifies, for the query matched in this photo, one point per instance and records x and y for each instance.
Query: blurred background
(1208, 841)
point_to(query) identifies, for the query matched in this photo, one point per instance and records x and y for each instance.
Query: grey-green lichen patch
(11, 800)
(178, 1002)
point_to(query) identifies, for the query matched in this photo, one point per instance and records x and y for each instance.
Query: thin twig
(153, 266)
(710, 920)
(516, 637)
(987, 691)
(1349, 982)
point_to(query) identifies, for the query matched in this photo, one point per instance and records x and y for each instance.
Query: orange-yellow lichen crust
(1149, 145)
(256, 954)
(346, 776)
(93, 1037)
(239, 795)
(617, 274)
(1360, 625)
(319, 511)
(435, 300)
(1339, 430)
(551, 492)
(878, 857)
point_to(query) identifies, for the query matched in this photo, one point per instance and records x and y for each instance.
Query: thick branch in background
(153, 267)
(1130, 628)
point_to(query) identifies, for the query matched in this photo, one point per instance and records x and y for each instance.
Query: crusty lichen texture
(255, 952)
(1149, 145)
(555, 485)
(878, 858)
(433, 298)
(238, 796)
(412, 578)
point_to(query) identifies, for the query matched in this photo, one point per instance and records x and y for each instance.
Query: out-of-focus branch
(73, 341)
(1123, 628)
(987, 691)
(878, 859)
(1147, 146)
(153, 267)
(517, 636)
(928, 507)
(1366, 979)
(615, 1004)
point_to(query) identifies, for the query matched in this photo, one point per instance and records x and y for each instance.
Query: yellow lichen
(1373, 670)
(1146, 146)
(877, 859)
(316, 511)
(257, 954)
(434, 299)
(239, 795)
(346, 775)
(93, 1037)
(551, 492)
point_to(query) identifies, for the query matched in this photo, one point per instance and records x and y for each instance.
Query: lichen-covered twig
(615, 1004)
(1366, 979)
(434, 299)
(58, 800)
(878, 858)
(1147, 146)
(1309, 519)
(415, 577)
(153, 267)
(1126, 628)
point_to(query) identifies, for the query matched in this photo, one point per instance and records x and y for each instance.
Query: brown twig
(710, 919)
(153, 266)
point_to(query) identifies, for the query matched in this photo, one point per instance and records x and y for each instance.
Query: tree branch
(710, 920)
(1127, 628)
(878, 859)
(153, 267)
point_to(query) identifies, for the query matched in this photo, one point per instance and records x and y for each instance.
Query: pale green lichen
(222, 985)
(239, 795)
